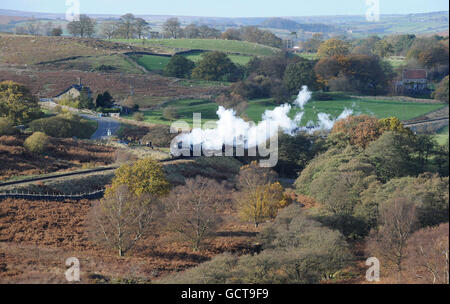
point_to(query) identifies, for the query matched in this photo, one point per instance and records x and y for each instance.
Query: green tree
(104, 100)
(299, 74)
(179, 66)
(85, 99)
(215, 66)
(17, 104)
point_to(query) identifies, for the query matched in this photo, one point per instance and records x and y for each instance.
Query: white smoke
(303, 97)
(231, 128)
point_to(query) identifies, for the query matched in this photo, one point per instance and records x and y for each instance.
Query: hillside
(32, 50)
(228, 46)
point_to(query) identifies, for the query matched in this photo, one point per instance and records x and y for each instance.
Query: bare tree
(172, 28)
(109, 29)
(142, 28)
(398, 218)
(121, 219)
(428, 255)
(193, 209)
(34, 28)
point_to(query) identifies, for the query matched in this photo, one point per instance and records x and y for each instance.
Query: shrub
(139, 116)
(63, 126)
(170, 113)
(6, 128)
(37, 143)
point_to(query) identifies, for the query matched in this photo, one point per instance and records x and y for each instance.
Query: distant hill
(353, 25)
(290, 25)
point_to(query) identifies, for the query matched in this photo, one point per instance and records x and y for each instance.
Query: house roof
(76, 87)
(415, 74)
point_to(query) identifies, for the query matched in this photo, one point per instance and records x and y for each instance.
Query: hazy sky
(229, 8)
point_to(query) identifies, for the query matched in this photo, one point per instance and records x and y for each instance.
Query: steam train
(178, 151)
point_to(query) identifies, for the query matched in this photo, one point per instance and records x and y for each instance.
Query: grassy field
(152, 62)
(230, 46)
(442, 136)
(383, 108)
(157, 63)
(237, 59)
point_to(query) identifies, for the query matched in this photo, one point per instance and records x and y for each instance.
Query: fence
(52, 197)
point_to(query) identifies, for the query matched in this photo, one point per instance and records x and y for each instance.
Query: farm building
(74, 91)
(414, 81)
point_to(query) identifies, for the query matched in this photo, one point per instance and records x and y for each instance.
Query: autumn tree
(193, 210)
(144, 176)
(441, 92)
(232, 101)
(360, 130)
(260, 196)
(17, 103)
(84, 27)
(122, 218)
(333, 47)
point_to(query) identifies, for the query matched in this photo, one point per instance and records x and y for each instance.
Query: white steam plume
(231, 128)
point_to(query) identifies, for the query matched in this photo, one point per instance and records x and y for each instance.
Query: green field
(152, 62)
(383, 108)
(229, 46)
(236, 59)
(442, 136)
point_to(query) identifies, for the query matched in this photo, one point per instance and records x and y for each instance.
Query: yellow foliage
(262, 202)
(144, 176)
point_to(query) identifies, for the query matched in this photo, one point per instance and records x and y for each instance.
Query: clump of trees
(253, 34)
(216, 66)
(17, 104)
(64, 126)
(346, 177)
(291, 245)
(84, 27)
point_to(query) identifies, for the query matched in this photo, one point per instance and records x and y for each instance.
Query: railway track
(412, 123)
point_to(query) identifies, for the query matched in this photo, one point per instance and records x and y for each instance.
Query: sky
(229, 8)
